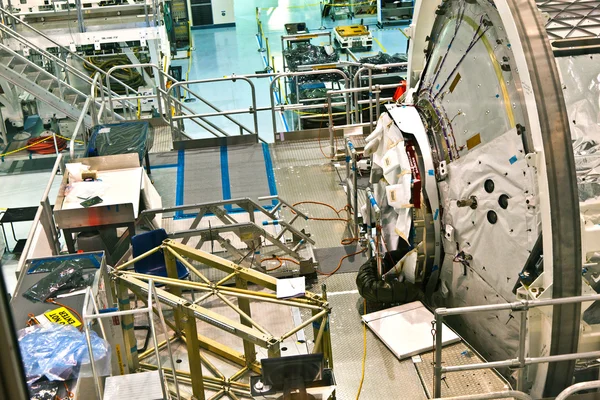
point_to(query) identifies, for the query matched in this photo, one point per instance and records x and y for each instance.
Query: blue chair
(154, 264)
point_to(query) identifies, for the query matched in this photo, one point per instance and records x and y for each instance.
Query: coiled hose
(129, 76)
(375, 290)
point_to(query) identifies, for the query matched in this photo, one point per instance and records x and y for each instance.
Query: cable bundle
(45, 144)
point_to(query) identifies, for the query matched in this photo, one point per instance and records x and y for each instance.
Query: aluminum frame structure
(90, 302)
(187, 313)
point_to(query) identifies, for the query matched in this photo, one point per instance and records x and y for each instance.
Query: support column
(244, 305)
(188, 321)
(171, 264)
(127, 324)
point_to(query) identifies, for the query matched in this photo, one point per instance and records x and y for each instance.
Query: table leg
(12, 227)
(69, 240)
(5, 238)
(147, 161)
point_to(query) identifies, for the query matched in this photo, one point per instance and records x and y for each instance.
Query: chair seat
(154, 264)
(161, 271)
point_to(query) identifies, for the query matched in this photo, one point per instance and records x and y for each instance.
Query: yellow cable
(364, 359)
(38, 142)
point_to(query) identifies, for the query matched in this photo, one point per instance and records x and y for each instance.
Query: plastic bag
(68, 277)
(60, 352)
(74, 170)
(384, 58)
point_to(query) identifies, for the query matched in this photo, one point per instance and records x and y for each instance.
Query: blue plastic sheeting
(60, 352)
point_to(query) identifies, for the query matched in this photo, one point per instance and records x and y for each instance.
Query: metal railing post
(439, 323)
(522, 350)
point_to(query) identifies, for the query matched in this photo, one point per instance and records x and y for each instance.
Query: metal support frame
(521, 361)
(352, 184)
(243, 230)
(247, 329)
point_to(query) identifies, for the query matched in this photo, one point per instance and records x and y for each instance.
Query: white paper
(292, 287)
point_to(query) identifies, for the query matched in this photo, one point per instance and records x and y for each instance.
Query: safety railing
(357, 81)
(299, 106)
(90, 302)
(179, 117)
(378, 100)
(80, 127)
(521, 361)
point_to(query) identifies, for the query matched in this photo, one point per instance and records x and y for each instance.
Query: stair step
(47, 84)
(33, 76)
(71, 98)
(19, 68)
(6, 59)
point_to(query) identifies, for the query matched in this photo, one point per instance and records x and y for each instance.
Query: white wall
(220, 7)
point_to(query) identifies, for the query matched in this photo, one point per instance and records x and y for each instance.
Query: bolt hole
(503, 201)
(284, 349)
(179, 361)
(492, 217)
(489, 186)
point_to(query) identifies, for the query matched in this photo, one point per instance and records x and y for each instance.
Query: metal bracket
(532, 160)
(443, 170)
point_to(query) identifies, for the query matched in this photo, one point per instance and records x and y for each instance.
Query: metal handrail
(370, 68)
(219, 112)
(291, 74)
(578, 387)
(374, 89)
(38, 216)
(78, 126)
(521, 361)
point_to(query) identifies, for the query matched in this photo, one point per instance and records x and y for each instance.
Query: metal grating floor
(460, 383)
(163, 141)
(386, 377)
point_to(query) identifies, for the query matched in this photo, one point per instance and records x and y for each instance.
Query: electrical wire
(346, 208)
(43, 145)
(281, 260)
(364, 358)
(328, 274)
(344, 242)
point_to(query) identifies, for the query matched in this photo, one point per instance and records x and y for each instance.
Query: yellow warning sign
(62, 316)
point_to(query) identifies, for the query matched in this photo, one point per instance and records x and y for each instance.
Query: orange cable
(281, 260)
(346, 208)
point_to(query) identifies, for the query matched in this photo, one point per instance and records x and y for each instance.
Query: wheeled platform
(348, 37)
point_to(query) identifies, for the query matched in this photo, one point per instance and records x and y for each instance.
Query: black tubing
(375, 290)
